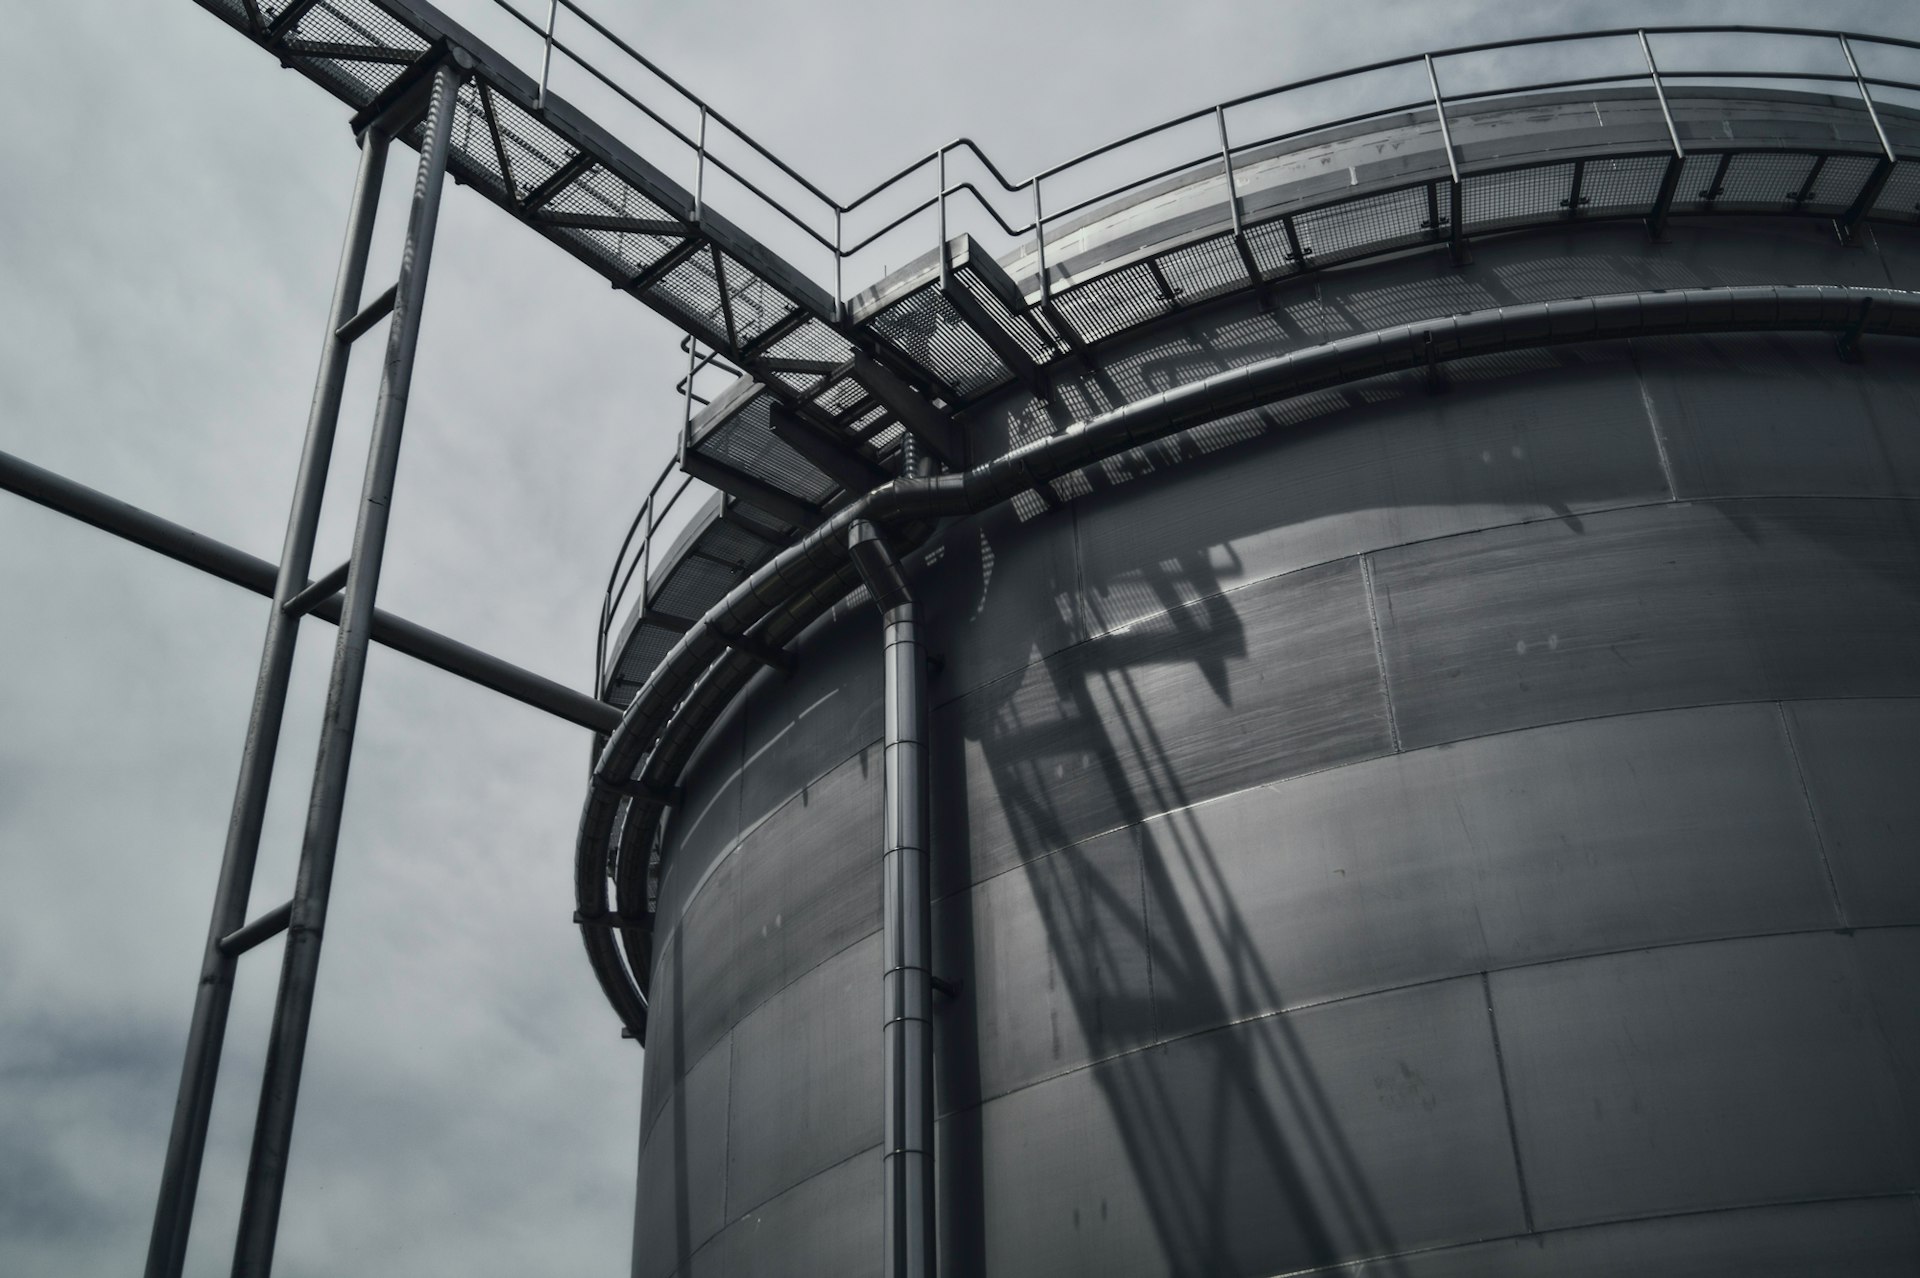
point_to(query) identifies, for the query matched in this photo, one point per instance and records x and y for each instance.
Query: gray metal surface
(807, 1080)
(1639, 1080)
(1857, 760)
(1657, 606)
(1261, 1148)
(1146, 719)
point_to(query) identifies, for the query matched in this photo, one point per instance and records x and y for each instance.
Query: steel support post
(180, 1175)
(906, 914)
(300, 964)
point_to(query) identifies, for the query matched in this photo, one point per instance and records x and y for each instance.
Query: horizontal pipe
(264, 928)
(110, 514)
(697, 679)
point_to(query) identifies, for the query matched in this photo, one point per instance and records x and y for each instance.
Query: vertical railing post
(1226, 167)
(1456, 217)
(946, 265)
(1877, 180)
(1040, 242)
(180, 1175)
(839, 290)
(700, 169)
(546, 54)
(300, 963)
(1670, 180)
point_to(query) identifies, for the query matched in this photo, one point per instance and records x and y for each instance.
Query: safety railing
(1019, 220)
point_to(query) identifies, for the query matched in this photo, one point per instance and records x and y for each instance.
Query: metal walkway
(829, 385)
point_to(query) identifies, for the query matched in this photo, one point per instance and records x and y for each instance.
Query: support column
(180, 1175)
(293, 1008)
(907, 921)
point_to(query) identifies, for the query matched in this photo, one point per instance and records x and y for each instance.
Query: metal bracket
(322, 589)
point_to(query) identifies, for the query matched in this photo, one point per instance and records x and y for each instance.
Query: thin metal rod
(1660, 92)
(1040, 240)
(700, 171)
(1866, 100)
(906, 920)
(322, 588)
(261, 930)
(946, 265)
(546, 54)
(1440, 109)
(1226, 161)
(249, 572)
(839, 288)
(206, 1034)
(300, 963)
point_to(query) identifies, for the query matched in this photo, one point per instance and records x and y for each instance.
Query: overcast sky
(172, 211)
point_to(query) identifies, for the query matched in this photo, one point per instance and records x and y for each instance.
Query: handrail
(846, 242)
(823, 222)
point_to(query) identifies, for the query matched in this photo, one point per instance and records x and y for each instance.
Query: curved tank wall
(1470, 832)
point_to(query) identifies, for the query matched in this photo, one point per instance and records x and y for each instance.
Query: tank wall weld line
(1506, 1103)
(1813, 817)
(1379, 651)
(1653, 422)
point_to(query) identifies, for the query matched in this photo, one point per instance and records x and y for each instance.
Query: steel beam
(186, 1142)
(300, 963)
(184, 545)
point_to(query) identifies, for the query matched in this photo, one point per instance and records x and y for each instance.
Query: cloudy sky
(172, 214)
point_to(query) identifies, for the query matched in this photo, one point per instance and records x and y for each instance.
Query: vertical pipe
(546, 54)
(1040, 239)
(700, 169)
(946, 267)
(180, 1175)
(300, 964)
(1866, 100)
(839, 291)
(906, 921)
(1226, 160)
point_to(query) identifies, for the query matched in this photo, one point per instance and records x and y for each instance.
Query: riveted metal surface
(1857, 758)
(1656, 606)
(1756, 415)
(1699, 1076)
(1601, 835)
(1055, 957)
(806, 1079)
(1569, 437)
(1118, 728)
(1261, 1148)
(683, 1172)
(1889, 959)
(824, 1225)
(801, 725)
(1875, 1238)
(1001, 593)
(809, 879)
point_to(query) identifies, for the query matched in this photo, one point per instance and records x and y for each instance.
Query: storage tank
(1456, 819)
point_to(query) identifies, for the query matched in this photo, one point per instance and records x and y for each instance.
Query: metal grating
(692, 585)
(1109, 303)
(1900, 197)
(641, 652)
(1765, 181)
(1626, 185)
(1203, 270)
(744, 441)
(1841, 180)
(1373, 223)
(1272, 251)
(1696, 191)
(1039, 347)
(1515, 197)
(924, 326)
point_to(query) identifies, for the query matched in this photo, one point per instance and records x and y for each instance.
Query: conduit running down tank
(701, 675)
(907, 913)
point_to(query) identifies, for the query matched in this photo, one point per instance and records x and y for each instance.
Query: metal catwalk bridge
(834, 391)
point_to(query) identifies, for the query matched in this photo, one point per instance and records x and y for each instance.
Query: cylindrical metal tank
(1464, 824)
